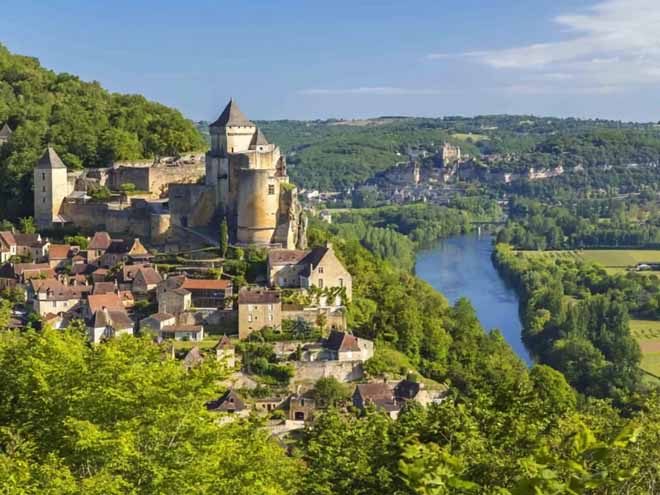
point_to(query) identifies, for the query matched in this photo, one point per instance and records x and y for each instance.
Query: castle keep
(244, 179)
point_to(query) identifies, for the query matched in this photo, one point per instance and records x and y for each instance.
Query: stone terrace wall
(344, 371)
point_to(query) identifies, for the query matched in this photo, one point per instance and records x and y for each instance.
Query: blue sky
(321, 59)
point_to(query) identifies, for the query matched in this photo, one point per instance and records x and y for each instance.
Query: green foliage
(122, 418)
(127, 188)
(329, 391)
(87, 125)
(585, 336)
(77, 240)
(27, 225)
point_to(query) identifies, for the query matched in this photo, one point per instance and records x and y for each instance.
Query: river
(461, 267)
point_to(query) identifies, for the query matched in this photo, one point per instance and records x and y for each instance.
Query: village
(253, 298)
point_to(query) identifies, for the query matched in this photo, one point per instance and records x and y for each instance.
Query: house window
(341, 282)
(271, 189)
(43, 176)
(43, 200)
(43, 188)
(320, 269)
(320, 283)
(249, 318)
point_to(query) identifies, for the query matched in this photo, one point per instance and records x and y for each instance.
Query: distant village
(151, 266)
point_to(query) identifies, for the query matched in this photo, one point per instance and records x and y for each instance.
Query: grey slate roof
(232, 116)
(258, 139)
(50, 159)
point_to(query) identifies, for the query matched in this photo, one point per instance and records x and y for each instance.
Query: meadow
(614, 260)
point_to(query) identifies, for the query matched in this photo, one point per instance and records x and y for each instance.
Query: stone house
(146, 280)
(8, 246)
(204, 293)
(258, 309)
(52, 296)
(345, 347)
(98, 246)
(301, 408)
(109, 323)
(391, 396)
(230, 402)
(156, 322)
(318, 267)
(59, 255)
(194, 333)
(174, 301)
(122, 251)
(25, 272)
(98, 302)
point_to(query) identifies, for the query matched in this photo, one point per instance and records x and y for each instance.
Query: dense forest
(604, 223)
(87, 125)
(336, 155)
(122, 417)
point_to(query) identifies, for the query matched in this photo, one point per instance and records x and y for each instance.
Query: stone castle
(242, 178)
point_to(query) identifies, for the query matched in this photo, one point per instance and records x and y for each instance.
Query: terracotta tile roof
(379, 391)
(286, 256)
(8, 237)
(150, 275)
(58, 251)
(342, 342)
(109, 301)
(128, 272)
(104, 287)
(259, 296)
(183, 328)
(21, 268)
(207, 284)
(28, 239)
(101, 240)
(82, 269)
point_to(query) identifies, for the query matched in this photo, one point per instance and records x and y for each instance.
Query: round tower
(258, 203)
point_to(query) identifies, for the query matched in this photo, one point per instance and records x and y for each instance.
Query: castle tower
(50, 189)
(231, 133)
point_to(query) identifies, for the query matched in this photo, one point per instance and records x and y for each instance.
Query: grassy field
(647, 334)
(474, 137)
(614, 260)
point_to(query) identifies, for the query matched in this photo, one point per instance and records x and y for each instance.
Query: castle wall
(257, 207)
(191, 205)
(239, 138)
(161, 177)
(133, 175)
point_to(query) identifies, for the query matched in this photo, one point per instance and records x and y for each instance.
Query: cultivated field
(647, 334)
(614, 260)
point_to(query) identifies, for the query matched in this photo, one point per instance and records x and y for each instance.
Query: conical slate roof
(5, 132)
(258, 139)
(232, 116)
(50, 159)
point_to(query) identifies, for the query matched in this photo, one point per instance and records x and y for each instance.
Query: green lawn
(465, 137)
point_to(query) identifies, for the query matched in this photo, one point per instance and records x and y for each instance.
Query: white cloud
(613, 45)
(373, 90)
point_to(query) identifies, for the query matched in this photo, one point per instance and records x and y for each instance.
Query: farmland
(647, 334)
(614, 260)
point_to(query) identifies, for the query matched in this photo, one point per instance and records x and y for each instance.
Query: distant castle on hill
(242, 178)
